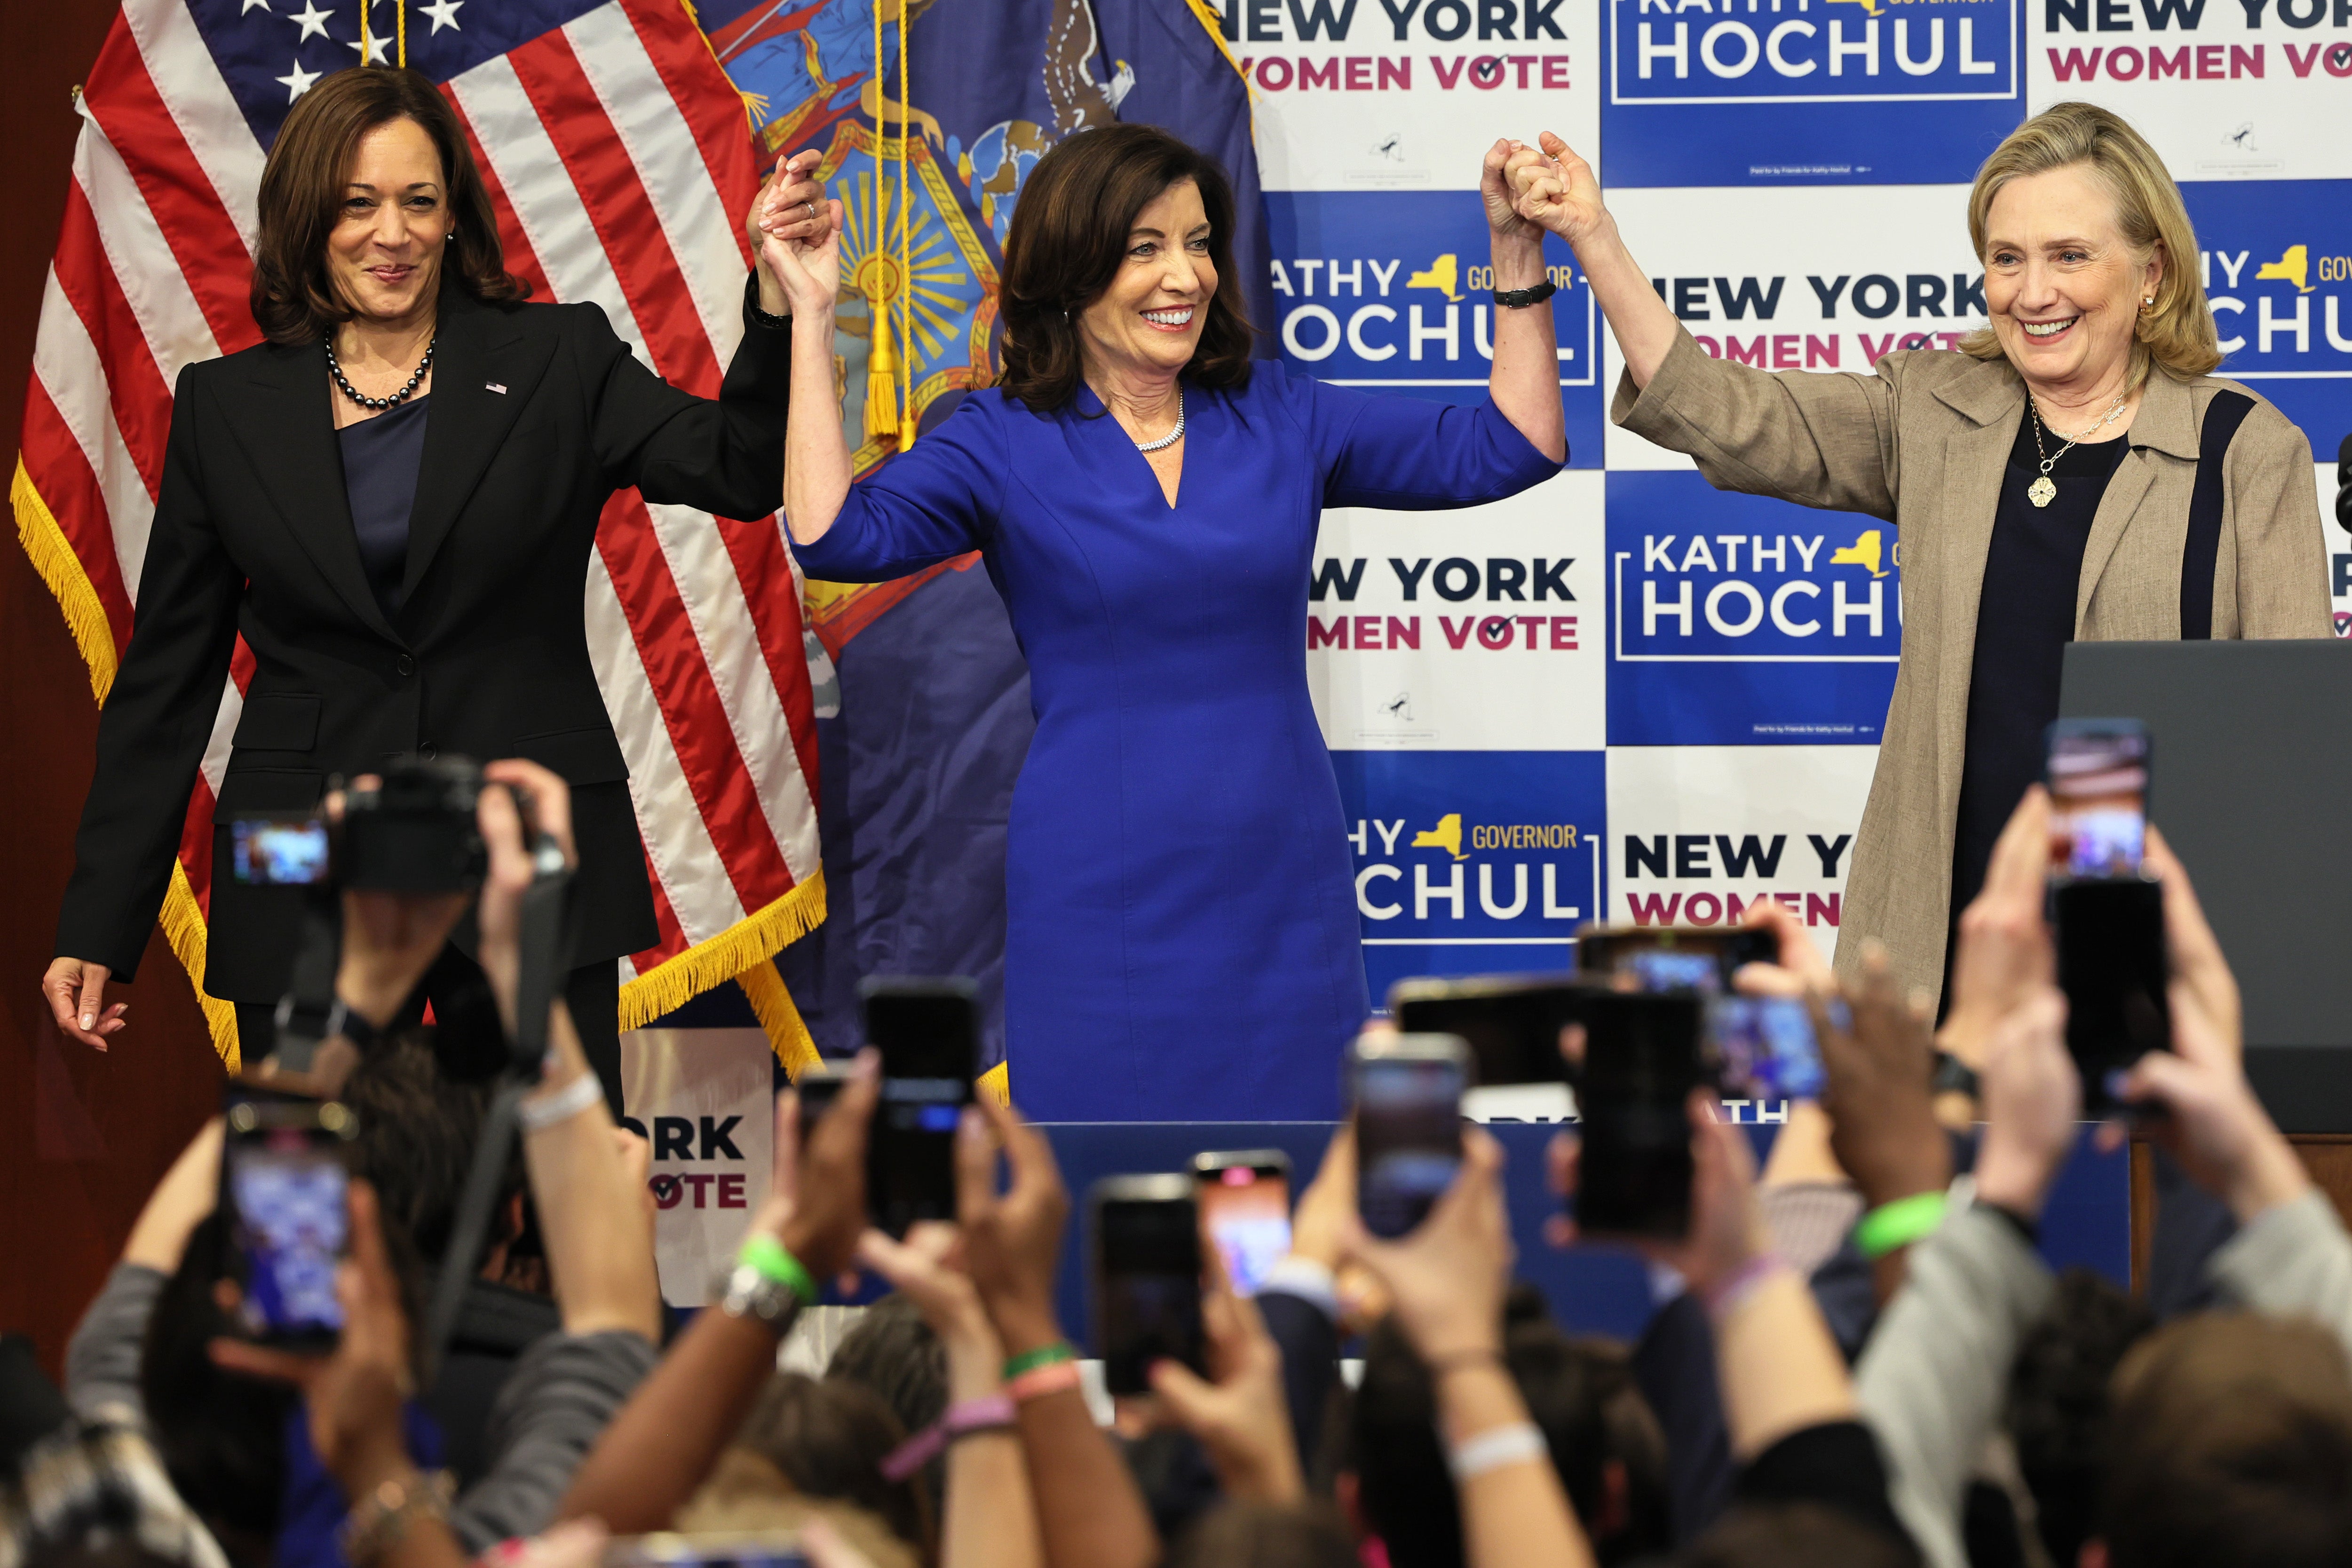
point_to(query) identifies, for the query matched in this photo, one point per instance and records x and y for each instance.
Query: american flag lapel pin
(497, 387)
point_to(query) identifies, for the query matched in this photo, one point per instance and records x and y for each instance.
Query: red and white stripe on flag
(618, 160)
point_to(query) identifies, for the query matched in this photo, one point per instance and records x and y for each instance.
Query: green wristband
(767, 1255)
(1044, 1355)
(1898, 1224)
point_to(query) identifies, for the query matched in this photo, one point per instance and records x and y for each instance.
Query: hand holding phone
(1445, 1280)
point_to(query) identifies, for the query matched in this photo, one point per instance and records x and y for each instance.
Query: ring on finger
(810, 207)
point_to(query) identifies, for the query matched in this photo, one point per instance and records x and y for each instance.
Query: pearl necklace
(1174, 436)
(335, 369)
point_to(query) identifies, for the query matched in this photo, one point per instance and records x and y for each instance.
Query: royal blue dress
(1182, 941)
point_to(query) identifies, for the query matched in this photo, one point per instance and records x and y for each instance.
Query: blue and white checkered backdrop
(1625, 695)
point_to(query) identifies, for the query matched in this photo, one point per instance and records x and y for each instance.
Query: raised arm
(1446, 1279)
(1823, 440)
(1935, 1375)
(816, 454)
(1090, 1509)
(664, 1440)
(1525, 380)
(1558, 190)
(990, 1521)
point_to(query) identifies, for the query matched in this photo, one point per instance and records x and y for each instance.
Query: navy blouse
(380, 459)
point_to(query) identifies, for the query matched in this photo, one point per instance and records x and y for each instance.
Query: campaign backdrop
(1624, 694)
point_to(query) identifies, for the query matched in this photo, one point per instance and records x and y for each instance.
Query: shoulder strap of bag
(2222, 416)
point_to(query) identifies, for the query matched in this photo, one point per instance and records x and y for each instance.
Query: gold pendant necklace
(2044, 490)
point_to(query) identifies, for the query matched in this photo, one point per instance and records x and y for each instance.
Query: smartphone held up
(1244, 1202)
(927, 1032)
(2106, 913)
(285, 1183)
(1144, 1244)
(1407, 1090)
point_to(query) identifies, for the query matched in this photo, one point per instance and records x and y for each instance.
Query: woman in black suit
(394, 500)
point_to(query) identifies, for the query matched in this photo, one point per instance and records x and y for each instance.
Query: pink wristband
(1038, 1381)
(987, 1413)
(1730, 1292)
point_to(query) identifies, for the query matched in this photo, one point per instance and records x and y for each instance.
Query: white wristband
(538, 1115)
(1496, 1448)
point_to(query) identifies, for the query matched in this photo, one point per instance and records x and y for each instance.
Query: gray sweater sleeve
(102, 1358)
(554, 1406)
(1934, 1380)
(2291, 1261)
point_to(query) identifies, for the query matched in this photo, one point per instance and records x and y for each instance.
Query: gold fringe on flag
(996, 1085)
(787, 1031)
(53, 557)
(752, 940)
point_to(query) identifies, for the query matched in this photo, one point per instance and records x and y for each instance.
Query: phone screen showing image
(1662, 969)
(1247, 1212)
(1408, 1138)
(291, 1227)
(2098, 794)
(1148, 1284)
(279, 852)
(1764, 1047)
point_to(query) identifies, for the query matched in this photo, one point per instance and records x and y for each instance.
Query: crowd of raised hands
(1858, 1355)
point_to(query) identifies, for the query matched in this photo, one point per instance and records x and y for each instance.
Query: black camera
(415, 832)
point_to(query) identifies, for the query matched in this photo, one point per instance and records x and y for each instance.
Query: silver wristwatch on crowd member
(746, 1292)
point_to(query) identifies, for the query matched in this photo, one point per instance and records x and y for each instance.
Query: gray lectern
(2252, 787)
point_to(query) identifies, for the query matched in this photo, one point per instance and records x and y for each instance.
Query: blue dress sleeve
(1407, 454)
(936, 501)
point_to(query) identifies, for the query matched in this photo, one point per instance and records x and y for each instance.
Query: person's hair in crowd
(2230, 1446)
(302, 193)
(747, 1495)
(418, 1127)
(1796, 1535)
(2058, 1402)
(1244, 1534)
(1603, 1444)
(827, 1438)
(1068, 238)
(2176, 334)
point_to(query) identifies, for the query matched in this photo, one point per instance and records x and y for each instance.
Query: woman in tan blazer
(2072, 471)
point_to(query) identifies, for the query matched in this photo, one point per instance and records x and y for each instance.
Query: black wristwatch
(323, 1024)
(1520, 298)
(1954, 1076)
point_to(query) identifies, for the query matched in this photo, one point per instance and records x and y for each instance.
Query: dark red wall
(83, 1137)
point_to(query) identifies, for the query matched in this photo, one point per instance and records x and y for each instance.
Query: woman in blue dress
(1182, 940)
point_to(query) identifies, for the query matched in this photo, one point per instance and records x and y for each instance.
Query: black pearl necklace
(336, 370)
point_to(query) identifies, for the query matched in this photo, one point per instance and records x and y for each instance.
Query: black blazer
(539, 413)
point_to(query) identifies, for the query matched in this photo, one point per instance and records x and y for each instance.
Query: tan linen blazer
(1923, 443)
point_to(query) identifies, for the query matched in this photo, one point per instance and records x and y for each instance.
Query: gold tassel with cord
(906, 221)
(881, 357)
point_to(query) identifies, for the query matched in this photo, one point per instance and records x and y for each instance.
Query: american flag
(617, 156)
